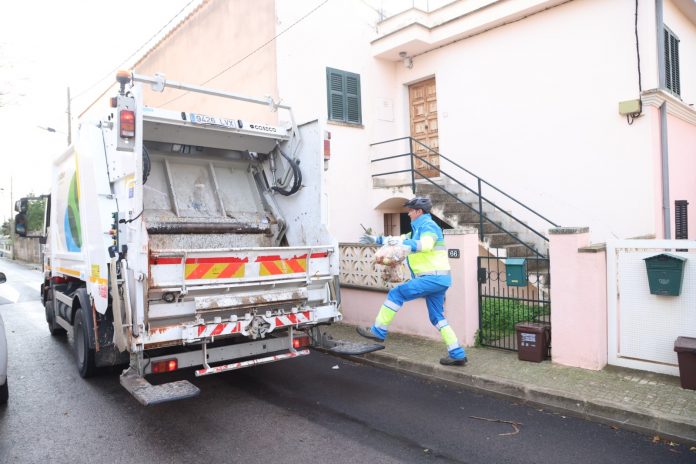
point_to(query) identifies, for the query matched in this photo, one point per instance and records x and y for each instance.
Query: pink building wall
(578, 299)
(682, 167)
(461, 306)
(578, 296)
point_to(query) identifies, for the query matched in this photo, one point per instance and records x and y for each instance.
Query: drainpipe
(664, 154)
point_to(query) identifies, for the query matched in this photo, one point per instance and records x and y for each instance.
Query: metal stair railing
(478, 192)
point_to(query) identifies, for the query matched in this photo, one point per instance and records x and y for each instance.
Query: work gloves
(368, 239)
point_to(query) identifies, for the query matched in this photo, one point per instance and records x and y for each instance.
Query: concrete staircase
(516, 242)
(505, 232)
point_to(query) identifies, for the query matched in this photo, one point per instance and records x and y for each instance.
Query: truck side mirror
(22, 205)
(33, 215)
(20, 226)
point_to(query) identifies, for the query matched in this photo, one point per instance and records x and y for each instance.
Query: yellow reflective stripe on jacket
(428, 261)
(426, 242)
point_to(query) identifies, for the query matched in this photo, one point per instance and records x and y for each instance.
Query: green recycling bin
(665, 274)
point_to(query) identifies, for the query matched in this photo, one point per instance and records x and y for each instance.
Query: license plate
(205, 120)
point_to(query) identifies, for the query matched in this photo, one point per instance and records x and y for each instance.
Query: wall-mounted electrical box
(630, 107)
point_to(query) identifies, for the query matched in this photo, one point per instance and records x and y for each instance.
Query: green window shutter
(671, 53)
(353, 113)
(668, 62)
(675, 65)
(343, 96)
(335, 94)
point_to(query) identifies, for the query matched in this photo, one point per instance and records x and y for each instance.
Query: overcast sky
(46, 46)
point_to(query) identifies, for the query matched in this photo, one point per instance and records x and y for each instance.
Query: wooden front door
(423, 105)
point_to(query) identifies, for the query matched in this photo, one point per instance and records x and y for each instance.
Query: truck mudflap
(325, 342)
(148, 394)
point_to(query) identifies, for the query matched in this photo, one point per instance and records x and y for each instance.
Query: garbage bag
(390, 255)
(394, 274)
(392, 258)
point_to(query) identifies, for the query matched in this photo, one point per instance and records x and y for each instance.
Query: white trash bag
(392, 258)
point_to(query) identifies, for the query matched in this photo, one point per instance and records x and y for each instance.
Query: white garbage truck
(180, 240)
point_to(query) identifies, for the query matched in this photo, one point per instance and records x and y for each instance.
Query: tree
(6, 228)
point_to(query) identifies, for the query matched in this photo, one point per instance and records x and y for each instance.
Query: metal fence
(511, 291)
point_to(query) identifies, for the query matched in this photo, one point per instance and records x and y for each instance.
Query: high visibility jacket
(427, 243)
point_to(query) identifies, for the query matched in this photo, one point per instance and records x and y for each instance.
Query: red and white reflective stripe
(159, 261)
(290, 319)
(251, 362)
(223, 328)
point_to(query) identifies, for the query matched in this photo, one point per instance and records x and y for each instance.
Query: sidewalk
(648, 403)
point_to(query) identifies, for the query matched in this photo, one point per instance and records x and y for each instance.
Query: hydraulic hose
(296, 173)
(147, 165)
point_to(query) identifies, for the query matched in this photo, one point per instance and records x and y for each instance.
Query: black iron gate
(511, 291)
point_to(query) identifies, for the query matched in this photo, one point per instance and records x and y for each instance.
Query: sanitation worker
(430, 278)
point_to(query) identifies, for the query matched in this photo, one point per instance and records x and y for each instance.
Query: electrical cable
(110, 73)
(631, 117)
(128, 221)
(148, 361)
(253, 52)
(640, 85)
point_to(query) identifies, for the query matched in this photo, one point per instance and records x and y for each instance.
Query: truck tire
(84, 354)
(50, 307)
(4, 392)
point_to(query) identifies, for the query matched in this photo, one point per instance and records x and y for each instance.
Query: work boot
(450, 361)
(368, 333)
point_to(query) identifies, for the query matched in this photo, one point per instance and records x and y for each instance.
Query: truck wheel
(84, 355)
(4, 392)
(53, 326)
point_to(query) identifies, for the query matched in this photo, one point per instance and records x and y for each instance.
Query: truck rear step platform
(344, 347)
(148, 394)
(347, 348)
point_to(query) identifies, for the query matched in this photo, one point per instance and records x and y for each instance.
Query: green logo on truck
(73, 229)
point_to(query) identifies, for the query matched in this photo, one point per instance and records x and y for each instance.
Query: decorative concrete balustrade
(358, 269)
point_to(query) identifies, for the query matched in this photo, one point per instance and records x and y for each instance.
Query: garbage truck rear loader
(179, 240)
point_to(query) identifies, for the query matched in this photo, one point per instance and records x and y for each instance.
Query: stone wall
(27, 250)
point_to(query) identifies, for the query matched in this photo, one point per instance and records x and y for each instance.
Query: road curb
(622, 416)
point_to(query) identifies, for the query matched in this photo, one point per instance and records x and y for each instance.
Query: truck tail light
(166, 365)
(301, 341)
(127, 120)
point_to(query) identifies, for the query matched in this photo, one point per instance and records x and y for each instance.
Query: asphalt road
(315, 409)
